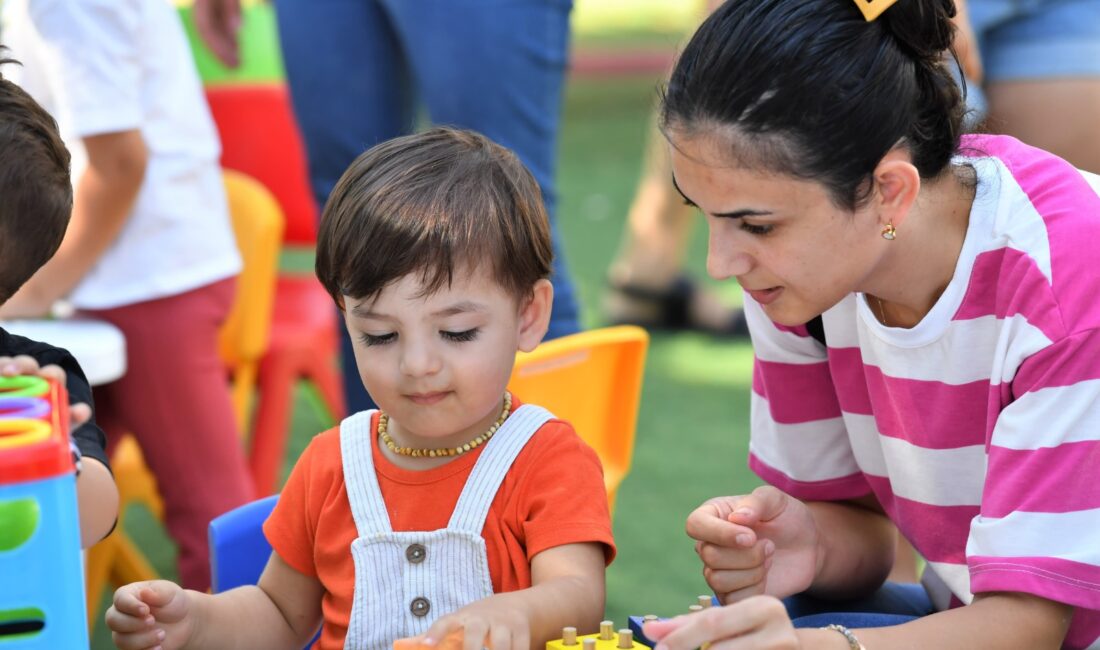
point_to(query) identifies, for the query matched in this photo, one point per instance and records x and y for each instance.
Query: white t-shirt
(104, 66)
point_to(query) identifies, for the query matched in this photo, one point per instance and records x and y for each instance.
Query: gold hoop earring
(889, 232)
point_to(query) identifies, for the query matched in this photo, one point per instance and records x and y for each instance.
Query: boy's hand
(762, 543)
(491, 622)
(26, 365)
(151, 614)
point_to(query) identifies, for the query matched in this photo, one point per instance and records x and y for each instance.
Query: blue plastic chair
(238, 549)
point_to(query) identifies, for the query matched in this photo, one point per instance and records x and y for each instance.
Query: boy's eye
(378, 339)
(754, 229)
(460, 337)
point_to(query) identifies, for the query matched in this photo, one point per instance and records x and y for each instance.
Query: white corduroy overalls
(405, 580)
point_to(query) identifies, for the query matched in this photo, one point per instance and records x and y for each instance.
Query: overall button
(420, 606)
(416, 553)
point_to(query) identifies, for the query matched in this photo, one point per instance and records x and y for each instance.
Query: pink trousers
(175, 400)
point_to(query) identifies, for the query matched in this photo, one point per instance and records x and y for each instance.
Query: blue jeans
(893, 604)
(360, 71)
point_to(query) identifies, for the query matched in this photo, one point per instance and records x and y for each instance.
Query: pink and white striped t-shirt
(979, 428)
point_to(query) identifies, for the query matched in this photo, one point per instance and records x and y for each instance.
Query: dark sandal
(671, 309)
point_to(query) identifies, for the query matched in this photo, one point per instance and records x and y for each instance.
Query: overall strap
(365, 496)
(492, 466)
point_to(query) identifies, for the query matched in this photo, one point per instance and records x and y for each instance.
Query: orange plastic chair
(260, 137)
(593, 380)
(242, 341)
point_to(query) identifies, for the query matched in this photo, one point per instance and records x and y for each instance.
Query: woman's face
(781, 237)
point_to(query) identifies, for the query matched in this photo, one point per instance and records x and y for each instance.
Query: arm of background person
(218, 23)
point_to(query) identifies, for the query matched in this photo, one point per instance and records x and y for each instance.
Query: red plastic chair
(260, 138)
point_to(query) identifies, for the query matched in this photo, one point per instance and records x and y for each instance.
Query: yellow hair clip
(873, 8)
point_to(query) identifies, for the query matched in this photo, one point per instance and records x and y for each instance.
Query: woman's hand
(753, 624)
(762, 543)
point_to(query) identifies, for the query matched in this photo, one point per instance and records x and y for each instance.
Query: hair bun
(922, 27)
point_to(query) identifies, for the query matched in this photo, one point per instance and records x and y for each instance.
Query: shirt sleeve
(798, 441)
(563, 499)
(94, 48)
(1039, 526)
(292, 524)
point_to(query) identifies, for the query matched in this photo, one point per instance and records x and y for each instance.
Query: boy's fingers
(80, 413)
(764, 504)
(126, 601)
(158, 593)
(119, 621)
(20, 365)
(139, 641)
(475, 633)
(55, 372)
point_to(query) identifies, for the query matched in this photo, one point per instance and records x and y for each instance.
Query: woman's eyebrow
(735, 214)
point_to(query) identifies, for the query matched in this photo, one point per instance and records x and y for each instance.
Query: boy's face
(438, 364)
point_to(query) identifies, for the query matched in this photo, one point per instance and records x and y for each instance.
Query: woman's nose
(725, 259)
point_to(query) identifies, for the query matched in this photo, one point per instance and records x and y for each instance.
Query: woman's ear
(897, 184)
(534, 315)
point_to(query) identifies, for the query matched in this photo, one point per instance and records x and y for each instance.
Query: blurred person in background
(149, 247)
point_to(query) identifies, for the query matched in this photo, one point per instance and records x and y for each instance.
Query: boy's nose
(418, 360)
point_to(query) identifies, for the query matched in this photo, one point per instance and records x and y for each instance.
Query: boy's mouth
(427, 399)
(22, 623)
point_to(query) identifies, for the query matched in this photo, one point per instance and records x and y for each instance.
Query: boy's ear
(534, 315)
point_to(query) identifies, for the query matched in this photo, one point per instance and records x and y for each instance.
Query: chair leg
(269, 433)
(97, 569)
(130, 565)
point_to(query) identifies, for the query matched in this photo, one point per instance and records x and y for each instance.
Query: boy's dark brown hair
(436, 202)
(36, 195)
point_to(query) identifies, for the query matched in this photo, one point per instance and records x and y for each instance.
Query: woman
(948, 386)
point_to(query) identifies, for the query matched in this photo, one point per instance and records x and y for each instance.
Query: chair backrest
(593, 380)
(260, 138)
(258, 227)
(238, 548)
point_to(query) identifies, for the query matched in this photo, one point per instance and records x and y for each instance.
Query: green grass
(692, 430)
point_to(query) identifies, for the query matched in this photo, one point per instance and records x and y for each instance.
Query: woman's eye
(754, 229)
(460, 337)
(378, 339)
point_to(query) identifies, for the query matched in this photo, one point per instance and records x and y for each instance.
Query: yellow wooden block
(606, 639)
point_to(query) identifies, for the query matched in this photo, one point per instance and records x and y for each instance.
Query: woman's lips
(765, 296)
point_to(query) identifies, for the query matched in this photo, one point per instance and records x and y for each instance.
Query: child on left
(35, 205)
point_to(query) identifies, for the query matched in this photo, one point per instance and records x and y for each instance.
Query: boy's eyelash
(378, 339)
(461, 337)
(754, 229)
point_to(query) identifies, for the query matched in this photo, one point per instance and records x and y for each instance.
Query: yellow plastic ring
(23, 386)
(19, 432)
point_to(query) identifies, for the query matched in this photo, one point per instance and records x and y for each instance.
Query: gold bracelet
(853, 642)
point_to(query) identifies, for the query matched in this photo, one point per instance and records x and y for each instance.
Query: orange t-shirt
(552, 495)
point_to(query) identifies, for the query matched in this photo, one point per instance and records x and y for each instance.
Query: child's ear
(534, 315)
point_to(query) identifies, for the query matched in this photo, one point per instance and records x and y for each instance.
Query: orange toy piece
(452, 641)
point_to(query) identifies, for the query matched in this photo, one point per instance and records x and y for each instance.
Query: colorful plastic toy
(41, 576)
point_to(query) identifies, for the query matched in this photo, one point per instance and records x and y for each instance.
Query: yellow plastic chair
(593, 380)
(258, 227)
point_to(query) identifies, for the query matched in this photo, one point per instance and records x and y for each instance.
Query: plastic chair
(258, 226)
(259, 137)
(592, 379)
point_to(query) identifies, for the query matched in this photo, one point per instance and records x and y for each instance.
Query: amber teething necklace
(383, 426)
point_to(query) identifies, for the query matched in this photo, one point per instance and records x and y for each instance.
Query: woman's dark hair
(811, 89)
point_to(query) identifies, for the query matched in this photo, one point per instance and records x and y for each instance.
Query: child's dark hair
(434, 202)
(811, 89)
(36, 193)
